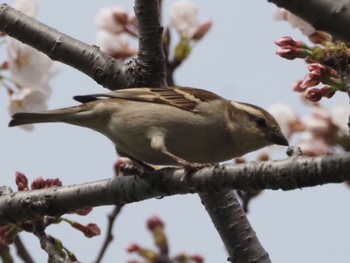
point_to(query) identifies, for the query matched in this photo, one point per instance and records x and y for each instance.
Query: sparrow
(175, 126)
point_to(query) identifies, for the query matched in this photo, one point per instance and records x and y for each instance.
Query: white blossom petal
(28, 7)
(112, 19)
(340, 117)
(28, 100)
(28, 66)
(319, 122)
(285, 116)
(109, 42)
(313, 146)
(294, 21)
(183, 16)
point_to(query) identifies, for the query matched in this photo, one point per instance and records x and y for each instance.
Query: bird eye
(261, 122)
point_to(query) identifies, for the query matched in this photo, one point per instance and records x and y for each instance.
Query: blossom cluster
(157, 228)
(322, 132)
(116, 27)
(115, 24)
(325, 130)
(9, 232)
(29, 70)
(327, 59)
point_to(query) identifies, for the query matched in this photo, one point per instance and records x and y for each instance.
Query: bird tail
(60, 115)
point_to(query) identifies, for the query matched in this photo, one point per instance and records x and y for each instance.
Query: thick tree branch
(234, 228)
(147, 69)
(149, 66)
(90, 60)
(332, 16)
(292, 173)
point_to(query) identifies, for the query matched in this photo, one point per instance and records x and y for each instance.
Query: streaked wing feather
(184, 98)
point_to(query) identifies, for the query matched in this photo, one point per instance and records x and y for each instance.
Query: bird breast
(131, 128)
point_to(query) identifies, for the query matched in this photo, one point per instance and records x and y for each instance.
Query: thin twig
(22, 251)
(47, 243)
(109, 236)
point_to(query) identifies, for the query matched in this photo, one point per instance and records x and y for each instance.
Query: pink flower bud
(288, 41)
(52, 182)
(297, 86)
(197, 259)
(319, 69)
(133, 247)
(38, 183)
(154, 222)
(327, 92)
(313, 94)
(90, 230)
(21, 181)
(83, 212)
(290, 53)
(203, 28)
(309, 81)
(5, 65)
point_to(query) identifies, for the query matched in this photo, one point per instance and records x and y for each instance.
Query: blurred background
(237, 60)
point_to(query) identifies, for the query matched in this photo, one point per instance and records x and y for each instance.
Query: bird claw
(126, 166)
(189, 169)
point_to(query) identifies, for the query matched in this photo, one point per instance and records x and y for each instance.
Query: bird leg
(138, 166)
(157, 143)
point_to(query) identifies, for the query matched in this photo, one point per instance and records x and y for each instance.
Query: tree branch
(47, 243)
(22, 251)
(109, 234)
(332, 16)
(149, 66)
(147, 69)
(90, 60)
(291, 173)
(234, 228)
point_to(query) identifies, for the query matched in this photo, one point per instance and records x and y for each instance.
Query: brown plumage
(169, 126)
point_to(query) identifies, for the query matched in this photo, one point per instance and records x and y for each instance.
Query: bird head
(257, 126)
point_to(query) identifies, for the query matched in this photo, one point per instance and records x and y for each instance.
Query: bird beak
(278, 138)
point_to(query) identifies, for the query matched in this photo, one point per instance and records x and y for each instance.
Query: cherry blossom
(28, 99)
(183, 17)
(312, 145)
(294, 21)
(114, 23)
(112, 19)
(340, 117)
(27, 65)
(28, 7)
(319, 123)
(287, 118)
(30, 71)
(114, 45)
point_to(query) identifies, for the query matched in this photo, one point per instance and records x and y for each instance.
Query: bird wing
(183, 98)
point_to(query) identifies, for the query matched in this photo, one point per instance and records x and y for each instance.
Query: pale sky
(236, 60)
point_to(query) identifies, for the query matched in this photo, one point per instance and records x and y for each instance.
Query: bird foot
(189, 169)
(126, 166)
